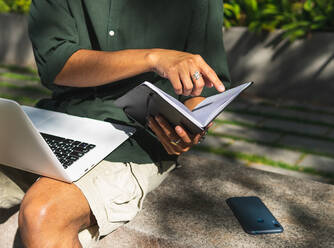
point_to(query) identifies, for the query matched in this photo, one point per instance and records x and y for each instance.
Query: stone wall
(15, 46)
(302, 71)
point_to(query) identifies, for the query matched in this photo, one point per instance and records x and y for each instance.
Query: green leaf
(251, 5)
(308, 5)
(227, 23)
(317, 26)
(298, 17)
(290, 26)
(4, 8)
(320, 18)
(293, 35)
(255, 26)
(270, 12)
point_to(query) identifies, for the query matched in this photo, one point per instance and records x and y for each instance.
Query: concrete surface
(15, 45)
(300, 71)
(189, 210)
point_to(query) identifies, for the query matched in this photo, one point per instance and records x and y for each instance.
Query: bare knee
(43, 219)
(38, 225)
(32, 219)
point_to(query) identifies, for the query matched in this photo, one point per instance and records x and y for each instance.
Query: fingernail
(221, 88)
(178, 129)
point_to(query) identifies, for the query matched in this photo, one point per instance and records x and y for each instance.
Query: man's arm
(86, 68)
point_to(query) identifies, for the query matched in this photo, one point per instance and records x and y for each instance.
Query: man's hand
(187, 72)
(176, 140)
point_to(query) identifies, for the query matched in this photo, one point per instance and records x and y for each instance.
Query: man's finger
(186, 83)
(170, 137)
(174, 78)
(166, 128)
(208, 83)
(197, 138)
(197, 81)
(161, 136)
(211, 76)
(183, 135)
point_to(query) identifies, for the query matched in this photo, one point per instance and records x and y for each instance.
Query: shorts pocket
(121, 193)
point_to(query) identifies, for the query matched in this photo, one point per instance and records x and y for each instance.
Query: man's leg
(52, 213)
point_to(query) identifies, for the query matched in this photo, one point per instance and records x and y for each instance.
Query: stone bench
(189, 210)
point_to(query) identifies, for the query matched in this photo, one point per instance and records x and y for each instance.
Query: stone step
(272, 153)
(292, 173)
(21, 82)
(285, 104)
(293, 141)
(238, 106)
(315, 145)
(239, 146)
(277, 125)
(263, 167)
(298, 127)
(289, 113)
(244, 118)
(331, 134)
(319, 163)
(246, 132)
(216, 142)
(29, 93)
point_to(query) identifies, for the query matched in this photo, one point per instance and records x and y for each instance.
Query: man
(89, 53)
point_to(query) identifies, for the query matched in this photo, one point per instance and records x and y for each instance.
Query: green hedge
(16, 6)
(297, 18)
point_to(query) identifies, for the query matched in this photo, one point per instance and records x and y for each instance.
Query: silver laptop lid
(23, 147)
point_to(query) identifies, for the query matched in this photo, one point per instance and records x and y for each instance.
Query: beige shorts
(115, 191)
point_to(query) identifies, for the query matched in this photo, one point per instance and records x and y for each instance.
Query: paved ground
(287, 138)
(189, 210)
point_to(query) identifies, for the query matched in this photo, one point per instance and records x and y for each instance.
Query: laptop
(53, 144)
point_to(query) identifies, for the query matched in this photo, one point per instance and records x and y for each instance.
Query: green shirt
(58, 28)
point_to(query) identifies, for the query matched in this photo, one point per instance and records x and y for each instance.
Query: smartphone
(253, 215)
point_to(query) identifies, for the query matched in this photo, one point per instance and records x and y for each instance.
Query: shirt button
(111, 32)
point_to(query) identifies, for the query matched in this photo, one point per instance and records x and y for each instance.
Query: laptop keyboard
(66, 150)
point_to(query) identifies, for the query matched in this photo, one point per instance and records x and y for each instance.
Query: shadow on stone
(17, 240)
(6, 213)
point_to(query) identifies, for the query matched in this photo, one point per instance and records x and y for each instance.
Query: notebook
(148, 100)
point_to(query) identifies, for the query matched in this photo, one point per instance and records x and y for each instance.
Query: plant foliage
(297, 18)
(16, 6)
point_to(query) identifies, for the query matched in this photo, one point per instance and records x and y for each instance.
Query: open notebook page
(175, 103)
(208, 109)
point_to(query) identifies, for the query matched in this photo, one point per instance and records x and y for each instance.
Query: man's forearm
(87, 68)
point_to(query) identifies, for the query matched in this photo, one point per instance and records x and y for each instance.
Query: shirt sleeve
(206, 38)
(54, 36)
